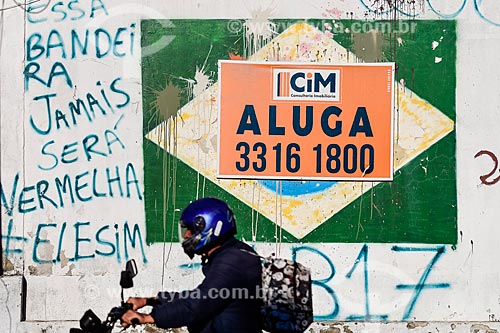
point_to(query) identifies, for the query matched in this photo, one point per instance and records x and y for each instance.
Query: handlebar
(90, 322)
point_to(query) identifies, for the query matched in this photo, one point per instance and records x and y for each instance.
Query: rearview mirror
(126, 278)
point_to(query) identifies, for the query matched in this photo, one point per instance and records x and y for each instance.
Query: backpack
(286, 296)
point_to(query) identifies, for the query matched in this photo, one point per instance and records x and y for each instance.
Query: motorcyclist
(227, 298)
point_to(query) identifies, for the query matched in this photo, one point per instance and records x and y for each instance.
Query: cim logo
(306, 84)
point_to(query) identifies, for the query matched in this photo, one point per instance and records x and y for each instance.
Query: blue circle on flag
(295, 188)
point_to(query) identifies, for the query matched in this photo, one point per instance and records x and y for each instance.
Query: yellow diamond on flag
(419, 125)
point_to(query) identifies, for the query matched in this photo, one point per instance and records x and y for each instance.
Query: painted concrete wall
(95, 93)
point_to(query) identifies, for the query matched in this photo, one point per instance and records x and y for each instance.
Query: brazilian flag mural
(180, 93)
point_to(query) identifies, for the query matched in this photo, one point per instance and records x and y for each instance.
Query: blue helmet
(210, 222)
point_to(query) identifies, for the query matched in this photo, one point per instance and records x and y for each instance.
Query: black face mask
(189, 245)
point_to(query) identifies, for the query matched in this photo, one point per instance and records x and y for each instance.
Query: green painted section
(419, 206)
(194, 40)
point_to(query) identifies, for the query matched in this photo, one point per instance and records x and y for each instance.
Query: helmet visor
(184, 232)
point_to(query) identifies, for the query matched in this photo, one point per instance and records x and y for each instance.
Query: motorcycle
(90, 322)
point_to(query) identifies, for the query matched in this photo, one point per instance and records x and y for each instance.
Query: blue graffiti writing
(83, 241)
(52, 118)
(478, 4)
(9, 207)
(31, 73)
(75, 44)
(421, 283)
(65, 11)
(191, 265)
(9, 238)
(322, 283)
(86, 149)
(328, 268)
(92, 184)
(380, 7)
(363, 255)
(450, 15)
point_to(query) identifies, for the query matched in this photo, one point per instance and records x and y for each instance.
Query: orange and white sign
(281, 120)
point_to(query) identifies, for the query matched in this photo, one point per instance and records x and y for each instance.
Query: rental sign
(280, 120)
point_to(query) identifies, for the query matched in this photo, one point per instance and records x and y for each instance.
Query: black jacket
(225, 302)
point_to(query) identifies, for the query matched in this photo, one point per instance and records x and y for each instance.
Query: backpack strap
(253, 253)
